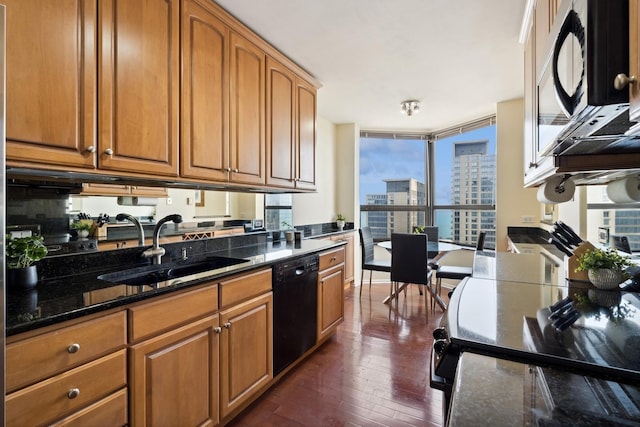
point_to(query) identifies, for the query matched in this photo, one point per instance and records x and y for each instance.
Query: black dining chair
(433, 235)
(409, 263)
(620, 243)
(456, 265)
(369, 262)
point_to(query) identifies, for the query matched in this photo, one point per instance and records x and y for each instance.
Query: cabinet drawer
(39, 357)
(110, 411)
(151, 318)
(332, 258)
(49, 400)
(244, 287)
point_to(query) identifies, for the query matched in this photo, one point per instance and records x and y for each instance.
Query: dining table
(435, 248)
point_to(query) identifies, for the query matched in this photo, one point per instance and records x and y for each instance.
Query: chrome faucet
(134, 220)
(156, 251)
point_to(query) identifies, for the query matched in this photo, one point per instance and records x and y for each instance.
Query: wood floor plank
(373, 372)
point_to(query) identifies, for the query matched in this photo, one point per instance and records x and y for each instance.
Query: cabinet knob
(227, 325)
(235, 170)
(621, 81)
(228, 169)
(217, 329)
(108, 152)
(73, 348)
(73, 393)
(91, 149)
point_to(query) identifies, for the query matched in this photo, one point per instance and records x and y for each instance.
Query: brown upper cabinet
(172, 90)
(60, 115)
(291, 125)
(51, 82)
(138, 63)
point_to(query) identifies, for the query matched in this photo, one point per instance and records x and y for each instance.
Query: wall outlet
(527, 219)
(169, 201)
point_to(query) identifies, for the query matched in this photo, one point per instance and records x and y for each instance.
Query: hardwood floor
(373, 372)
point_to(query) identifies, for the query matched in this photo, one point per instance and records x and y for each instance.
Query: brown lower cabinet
(192, 358)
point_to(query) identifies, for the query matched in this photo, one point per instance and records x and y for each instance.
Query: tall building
(402, 192)
(473, 183)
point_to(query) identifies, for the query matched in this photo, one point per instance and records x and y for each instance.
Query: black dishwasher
(295, 306)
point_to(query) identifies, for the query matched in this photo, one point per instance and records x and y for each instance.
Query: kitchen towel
(555, 191)
(626, 190)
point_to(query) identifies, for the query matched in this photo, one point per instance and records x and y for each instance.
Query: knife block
(571, 263)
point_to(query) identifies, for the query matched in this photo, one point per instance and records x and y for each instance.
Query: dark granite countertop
(70, 287)
(503, 391)
(498, 392)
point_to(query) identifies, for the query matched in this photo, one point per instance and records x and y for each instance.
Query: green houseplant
(82, 227)
(289, 231)
(21, 254)
(605, 267)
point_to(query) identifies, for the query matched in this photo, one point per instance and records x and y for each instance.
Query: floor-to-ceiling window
(605, 217)
(465, 183)
(393, 180)
(445, 179)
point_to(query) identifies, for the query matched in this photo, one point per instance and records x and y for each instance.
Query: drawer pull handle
(227, 325)
(333, 258)
(73, 348)
(73, 393)
(217, 329)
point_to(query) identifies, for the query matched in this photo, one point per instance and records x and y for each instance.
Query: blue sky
(382, 159)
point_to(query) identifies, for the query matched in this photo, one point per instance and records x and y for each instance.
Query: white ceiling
(457, 58)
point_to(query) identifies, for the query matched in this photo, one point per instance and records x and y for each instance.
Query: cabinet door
(530, 116)
(174, 377)
(247, 112)
(246, 349)
(281, 129)
(204, 145)
(139, 86)
(51, 82)
(634, 59)
(306, 136)
(330, 300)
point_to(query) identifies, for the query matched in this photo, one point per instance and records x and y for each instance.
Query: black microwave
(576, 97)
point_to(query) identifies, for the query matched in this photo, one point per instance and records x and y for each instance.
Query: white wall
(514, 203)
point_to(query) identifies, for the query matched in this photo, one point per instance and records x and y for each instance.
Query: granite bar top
(70, 288)
(496, 392)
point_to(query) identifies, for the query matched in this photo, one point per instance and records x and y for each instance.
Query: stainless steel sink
(152, 274)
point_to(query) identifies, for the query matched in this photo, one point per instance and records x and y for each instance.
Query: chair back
(409, 258)
(620, 243)
(366, 241)
(480, 241)
(432, 236)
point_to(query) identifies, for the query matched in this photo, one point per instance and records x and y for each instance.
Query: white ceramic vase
(605, 278)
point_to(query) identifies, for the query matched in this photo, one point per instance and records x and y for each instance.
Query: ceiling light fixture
(410, 107)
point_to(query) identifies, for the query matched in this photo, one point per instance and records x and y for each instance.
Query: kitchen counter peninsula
(516, 362)
(70, 287)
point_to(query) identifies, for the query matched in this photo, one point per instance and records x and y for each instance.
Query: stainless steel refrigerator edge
(2, 201)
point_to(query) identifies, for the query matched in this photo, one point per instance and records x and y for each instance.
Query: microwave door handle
(571, 25)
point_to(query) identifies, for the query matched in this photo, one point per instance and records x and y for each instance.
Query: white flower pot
(605, 278)
(340, 225)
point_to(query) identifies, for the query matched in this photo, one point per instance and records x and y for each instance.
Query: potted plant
(289, 232)
(82, 227)
(605, 267)
(418, 229)
(22, 253)
(340, 221)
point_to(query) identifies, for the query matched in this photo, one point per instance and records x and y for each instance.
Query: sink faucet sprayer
(156, 251)
(134, 220)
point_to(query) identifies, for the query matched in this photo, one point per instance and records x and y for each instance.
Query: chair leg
(361, 281)
(426, 310)
(370, 277)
